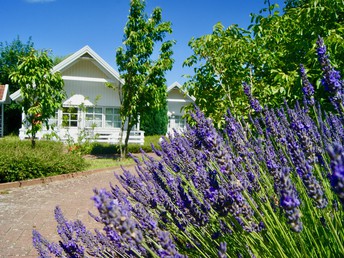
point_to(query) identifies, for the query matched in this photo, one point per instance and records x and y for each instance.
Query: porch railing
(108, 135)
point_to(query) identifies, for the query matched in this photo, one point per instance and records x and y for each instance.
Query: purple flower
(336, 152)
(222, 250)
(308, 89)
(120, 228)
(43, 247)
(168, 249)
(304, 169)
(331, 78)
(67, 230)
(253, 101)
(289, 201)
(204, 132)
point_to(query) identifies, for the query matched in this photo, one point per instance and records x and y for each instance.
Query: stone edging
(45, 180)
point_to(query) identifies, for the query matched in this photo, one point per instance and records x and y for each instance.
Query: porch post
(138, 123)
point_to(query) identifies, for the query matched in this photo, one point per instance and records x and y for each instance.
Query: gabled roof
(85, 52)
(179, 87)
(4, 94)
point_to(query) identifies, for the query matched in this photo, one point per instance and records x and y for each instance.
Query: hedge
(19, 161)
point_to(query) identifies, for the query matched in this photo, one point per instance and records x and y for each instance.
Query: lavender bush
(272, 186)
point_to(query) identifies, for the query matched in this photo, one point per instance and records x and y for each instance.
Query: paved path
(25, 208)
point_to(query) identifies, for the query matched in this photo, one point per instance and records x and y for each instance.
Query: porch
(80, 120)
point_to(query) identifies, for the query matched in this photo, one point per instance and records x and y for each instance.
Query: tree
(295, 3)
(154, 121)
(144, 78)
(267, 55)
(41, 90)
(10, 53)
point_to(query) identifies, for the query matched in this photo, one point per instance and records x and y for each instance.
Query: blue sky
(65, 26)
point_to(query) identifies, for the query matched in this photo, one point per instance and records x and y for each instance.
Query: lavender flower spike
(308, 89)
(331, 77)
(222, 250)
(289, 200)
(253, 101)
(336, 153)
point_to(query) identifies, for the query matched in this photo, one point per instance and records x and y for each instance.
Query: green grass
(105, 157)
(152, 140)
(101, 162)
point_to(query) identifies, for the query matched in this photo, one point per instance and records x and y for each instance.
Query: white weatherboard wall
(91, 107)
(177, 99)
(86, 78)
(96, 92)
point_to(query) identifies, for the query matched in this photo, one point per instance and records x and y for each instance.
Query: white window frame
(70, 121)
(178, 122)
(115, 121)
(90, 117)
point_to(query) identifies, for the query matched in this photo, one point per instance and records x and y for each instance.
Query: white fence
(108, 135)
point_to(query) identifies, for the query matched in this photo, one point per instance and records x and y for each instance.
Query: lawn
(106, 161)
(101, 156)
(21, 162)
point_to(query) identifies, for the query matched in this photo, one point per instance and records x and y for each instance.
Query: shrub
(19, 161)
(106, 148)
(154, 121)
(270, 186)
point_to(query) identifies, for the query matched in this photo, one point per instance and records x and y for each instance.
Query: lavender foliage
(243, 190)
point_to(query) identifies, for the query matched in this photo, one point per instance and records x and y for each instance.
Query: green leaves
(42, 91)
(266, 55)
(144, 78)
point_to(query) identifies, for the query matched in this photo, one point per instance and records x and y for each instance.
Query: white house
(91, 108)
(177, 99)
(4, 99)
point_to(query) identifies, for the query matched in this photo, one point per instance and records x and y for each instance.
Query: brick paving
(32, 207)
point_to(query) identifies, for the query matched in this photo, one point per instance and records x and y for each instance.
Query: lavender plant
(331, 77)
(267, 187)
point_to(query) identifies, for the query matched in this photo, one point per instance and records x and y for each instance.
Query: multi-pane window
(70, 117)
(179, 122)
(94, 117)
(112, 117)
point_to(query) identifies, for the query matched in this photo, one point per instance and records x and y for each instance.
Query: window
(94, 117)
(112, 117)
(70, 117)
(179, 122)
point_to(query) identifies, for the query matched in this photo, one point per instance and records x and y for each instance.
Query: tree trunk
(121, 142)
(124, 148)
(126, 142)
(33, 141)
